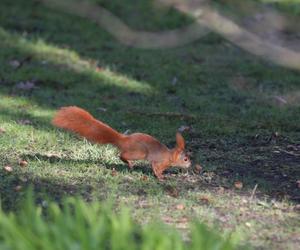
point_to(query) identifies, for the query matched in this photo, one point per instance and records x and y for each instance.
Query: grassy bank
(242, 112)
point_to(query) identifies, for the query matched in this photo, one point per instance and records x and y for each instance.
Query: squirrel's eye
(185, 159)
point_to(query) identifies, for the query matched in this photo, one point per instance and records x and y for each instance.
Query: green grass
(72, 226)
(240, 130)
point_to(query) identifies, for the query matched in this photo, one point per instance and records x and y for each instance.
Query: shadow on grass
(275, 173)
(13, 189)
(143, 168)
(56, 85)
(270, 161)
(14, 185)
(60, 82)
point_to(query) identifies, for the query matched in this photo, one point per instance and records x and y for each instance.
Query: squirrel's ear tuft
(179, 141)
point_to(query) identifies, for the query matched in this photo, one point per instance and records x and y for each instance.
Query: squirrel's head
(180, 157)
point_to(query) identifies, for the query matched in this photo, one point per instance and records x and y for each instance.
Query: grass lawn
(243, 116)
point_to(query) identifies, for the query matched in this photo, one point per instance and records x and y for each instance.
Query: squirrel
(136, 146)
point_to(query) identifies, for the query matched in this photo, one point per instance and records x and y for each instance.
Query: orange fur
(137, 146)
(81, 122)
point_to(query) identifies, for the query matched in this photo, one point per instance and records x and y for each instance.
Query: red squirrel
(137, 146)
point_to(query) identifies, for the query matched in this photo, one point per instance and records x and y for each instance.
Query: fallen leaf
(98, 69)
(220, 190)
(15, 64)
(280, 100)
(167, 219)
(18, 63)
(263, 204)
(102, 109)
(23, 163)
(23, 179)
(205, 199)
(183, 128)
(223, 219)
(44, 203)
(128, 178)
(248, 224)
(8, 168)
(2, 130)
(182, 220)
(18, 188)
(53, 155)
(245, 201)
(28, 85)
(197, 168)
(143, 204)
(180, 207)
(144, 178)
(114, 172)
(174, 81)
(238, 185)
(24, 122)
(172, 191)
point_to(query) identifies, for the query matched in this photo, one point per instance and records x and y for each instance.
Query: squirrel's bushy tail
(83, 123)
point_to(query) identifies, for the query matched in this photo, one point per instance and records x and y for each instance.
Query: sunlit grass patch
(66, 58)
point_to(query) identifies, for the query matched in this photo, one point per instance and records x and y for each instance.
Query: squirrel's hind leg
(129, 156)
(129, 163)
